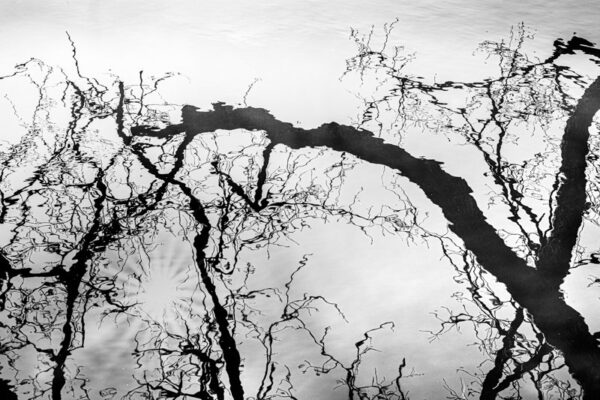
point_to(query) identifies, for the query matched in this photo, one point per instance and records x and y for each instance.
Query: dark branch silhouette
(83, 214)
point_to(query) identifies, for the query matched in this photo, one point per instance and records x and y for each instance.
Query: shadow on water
(84, 216)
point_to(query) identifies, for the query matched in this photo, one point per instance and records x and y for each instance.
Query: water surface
(299, 200)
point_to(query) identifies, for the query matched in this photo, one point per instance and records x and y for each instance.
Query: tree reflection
(101, 182)
(79, 220)
(527, 95)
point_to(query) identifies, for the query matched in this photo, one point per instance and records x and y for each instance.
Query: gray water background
(295, 52)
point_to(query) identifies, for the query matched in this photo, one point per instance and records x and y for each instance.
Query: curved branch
(563, 326)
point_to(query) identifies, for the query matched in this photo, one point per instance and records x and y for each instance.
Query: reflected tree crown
(119, 208)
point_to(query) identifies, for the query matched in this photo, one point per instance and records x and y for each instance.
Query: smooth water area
(299, 200)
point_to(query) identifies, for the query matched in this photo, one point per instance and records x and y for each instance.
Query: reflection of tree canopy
(102, 182)
(528, 102)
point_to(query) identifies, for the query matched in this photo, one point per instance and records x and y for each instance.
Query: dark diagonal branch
(563, 326)
(555, 255)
